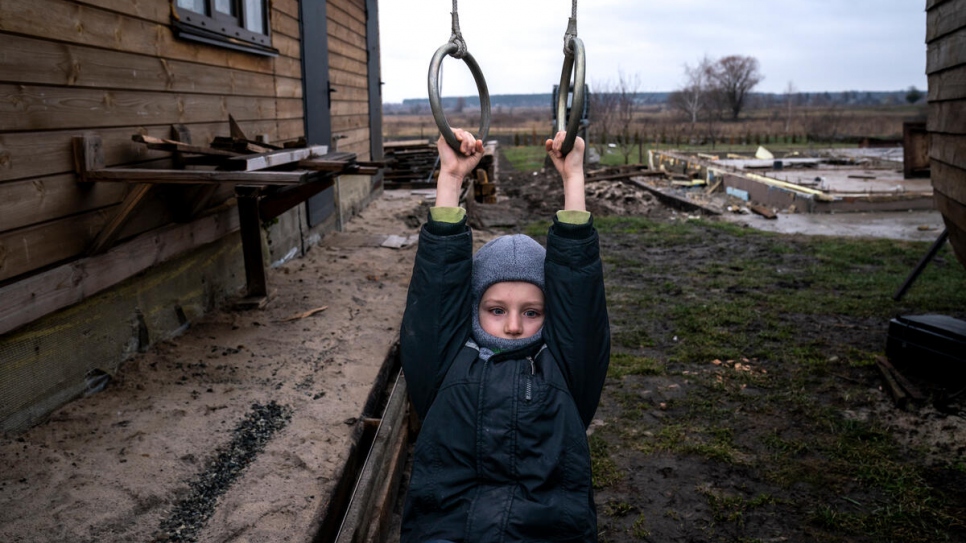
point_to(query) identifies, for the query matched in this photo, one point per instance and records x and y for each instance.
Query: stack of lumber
(409, 162)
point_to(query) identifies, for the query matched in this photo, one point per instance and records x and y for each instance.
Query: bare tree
(603, 108)
(734, 77)
(692, 98)
(626, 91)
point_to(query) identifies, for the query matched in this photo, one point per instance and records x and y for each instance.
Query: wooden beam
(88, 155)
(161, 144)
(274, 204)
(271, 159)
(108, 235)
(251, 233)
(194, 177)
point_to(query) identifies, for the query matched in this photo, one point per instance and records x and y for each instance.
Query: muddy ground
(743, 402)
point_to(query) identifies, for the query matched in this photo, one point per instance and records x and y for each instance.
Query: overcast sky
(818, 45)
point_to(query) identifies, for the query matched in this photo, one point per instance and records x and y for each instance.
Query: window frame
(223, 29)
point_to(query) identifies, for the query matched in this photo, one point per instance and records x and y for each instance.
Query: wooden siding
(115, 67)
(348, 73)
(946, 68)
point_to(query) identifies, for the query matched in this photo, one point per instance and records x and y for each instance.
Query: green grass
(796, 314)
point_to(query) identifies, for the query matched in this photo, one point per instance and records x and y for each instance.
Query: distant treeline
(851, 98)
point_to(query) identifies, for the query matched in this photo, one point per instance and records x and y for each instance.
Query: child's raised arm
(454, 166)
(571, 169)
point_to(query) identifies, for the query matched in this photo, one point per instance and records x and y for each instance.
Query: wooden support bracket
(108, 235)
(88, 155)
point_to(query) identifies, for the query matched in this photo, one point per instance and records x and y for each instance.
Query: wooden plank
(32, 201)
(338, 14)
(24, 107)
(954, 213)
(363, 505)
(32, 298)
(353, 50)
(949, 179)
(162, 144)
(289, 108)
(285, 24)
(27, 249)
(287, 87)
(288, 67)
(946, 52)
(194, 177)
(356, 9)
(287, 46)
(331, 162)
(945, 19)
(85, 25)
(43, 62)
(25, 155)
(347, 64)
(948, 85)
(271, 159)
(290, 129)
(342, 78)
(350, 109)
(157, 12)
(947, 117)
(950, 149)
(288, 7)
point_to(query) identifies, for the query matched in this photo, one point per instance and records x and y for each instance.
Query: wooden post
(88, 154)
(250, 225)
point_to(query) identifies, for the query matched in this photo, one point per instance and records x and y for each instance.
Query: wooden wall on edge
(946, 68)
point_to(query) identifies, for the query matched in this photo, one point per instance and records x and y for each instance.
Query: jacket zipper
(533, 371)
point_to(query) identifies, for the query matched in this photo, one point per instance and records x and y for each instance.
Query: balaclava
(506, 258)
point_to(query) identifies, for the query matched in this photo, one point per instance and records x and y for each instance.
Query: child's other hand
(454, 166)
(570, 167)
(459, 164)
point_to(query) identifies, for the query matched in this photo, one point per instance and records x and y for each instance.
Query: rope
(571, 33)
(457, 36)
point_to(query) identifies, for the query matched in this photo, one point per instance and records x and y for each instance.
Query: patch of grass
(622, 364)
(605, 471)
(808, 311)
(639, 528)
(618, 508)
(525, 158)
(732, 509)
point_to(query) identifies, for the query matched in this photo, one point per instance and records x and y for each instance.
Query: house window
(236, 24)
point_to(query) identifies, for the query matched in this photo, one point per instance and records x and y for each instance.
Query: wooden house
(946, 68)
(92, 271)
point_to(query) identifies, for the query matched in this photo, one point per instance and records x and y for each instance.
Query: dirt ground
(235, 430)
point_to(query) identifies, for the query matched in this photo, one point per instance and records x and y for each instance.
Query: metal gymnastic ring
(436, 104)
(573, 62)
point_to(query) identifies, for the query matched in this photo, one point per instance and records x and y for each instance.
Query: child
(505, 355)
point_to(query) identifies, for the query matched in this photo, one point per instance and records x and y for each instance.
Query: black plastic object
(928, 346)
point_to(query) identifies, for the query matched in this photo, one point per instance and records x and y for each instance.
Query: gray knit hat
(506, 258)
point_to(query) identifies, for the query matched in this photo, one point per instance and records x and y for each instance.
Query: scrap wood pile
(625, 171)
(409, 162)
(414, 163)
(238, 153)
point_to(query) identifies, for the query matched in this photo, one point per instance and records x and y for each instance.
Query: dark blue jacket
(502, 454)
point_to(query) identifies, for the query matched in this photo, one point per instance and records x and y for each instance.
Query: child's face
(512, 310)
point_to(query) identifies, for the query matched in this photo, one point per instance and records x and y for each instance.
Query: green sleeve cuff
(573, 216)
(447, 214)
